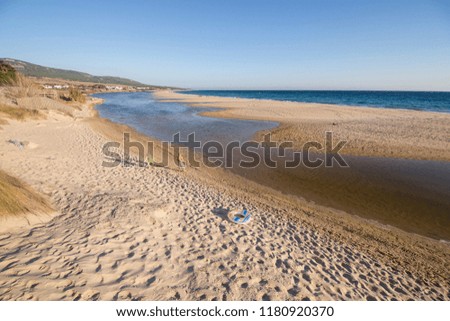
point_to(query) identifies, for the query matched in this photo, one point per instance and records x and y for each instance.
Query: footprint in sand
(90, 295)
(22, 272)
(31, 284)
(124, 295)
(65, 285)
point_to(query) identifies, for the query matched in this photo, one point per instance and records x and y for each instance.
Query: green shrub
(8, 75)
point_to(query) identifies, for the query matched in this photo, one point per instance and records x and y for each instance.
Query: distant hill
(29, 69)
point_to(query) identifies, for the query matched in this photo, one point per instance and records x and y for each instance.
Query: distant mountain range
(29, 69)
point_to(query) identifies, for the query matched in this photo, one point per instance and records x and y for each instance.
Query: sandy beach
(402, 182)
(132, 233)
(367, 131)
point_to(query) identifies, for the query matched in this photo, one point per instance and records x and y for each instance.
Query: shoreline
(361, 127)
(152, 233)
(230, 176)
(185, 92)
(242, 180)
(389, 190)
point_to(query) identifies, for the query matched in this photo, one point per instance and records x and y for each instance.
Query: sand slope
(156, 234)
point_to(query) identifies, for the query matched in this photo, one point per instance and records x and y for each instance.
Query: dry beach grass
(17, 199)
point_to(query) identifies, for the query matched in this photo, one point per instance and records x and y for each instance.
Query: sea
(412, 100)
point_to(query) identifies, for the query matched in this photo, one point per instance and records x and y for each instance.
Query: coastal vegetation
(76, 95)
(8, 75)
(18, 113)
(17, 198)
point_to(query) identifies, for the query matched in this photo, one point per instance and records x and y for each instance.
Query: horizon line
(315, 89)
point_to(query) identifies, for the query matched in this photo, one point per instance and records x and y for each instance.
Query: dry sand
(160, 234)
(368, 131)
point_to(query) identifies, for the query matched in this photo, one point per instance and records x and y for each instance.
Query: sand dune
(158, 234)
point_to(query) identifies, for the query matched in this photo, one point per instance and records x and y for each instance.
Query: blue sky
(395, 45)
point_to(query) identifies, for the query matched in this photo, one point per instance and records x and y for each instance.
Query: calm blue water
(415, 100)
(163, 120)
